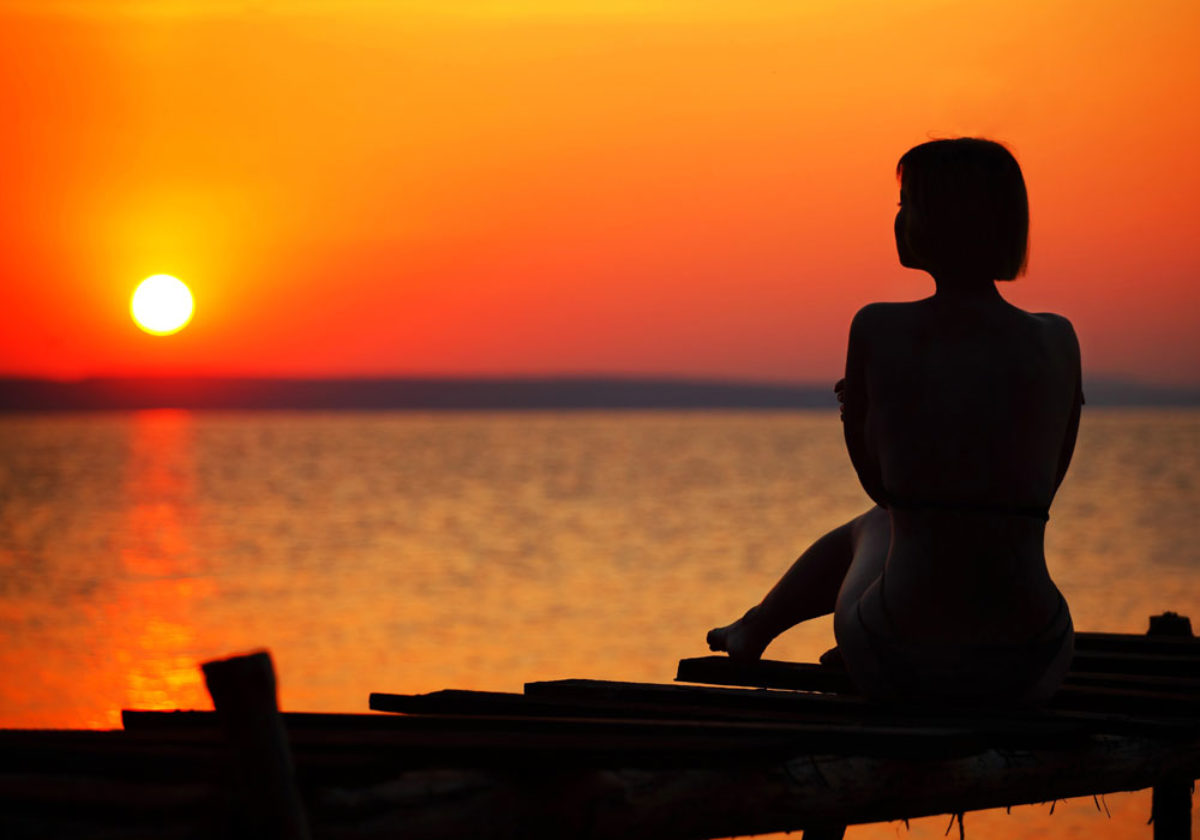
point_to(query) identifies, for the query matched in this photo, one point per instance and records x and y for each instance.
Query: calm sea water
(411, 552)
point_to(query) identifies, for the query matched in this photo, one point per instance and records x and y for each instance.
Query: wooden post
(1171, 802)
(243, 691)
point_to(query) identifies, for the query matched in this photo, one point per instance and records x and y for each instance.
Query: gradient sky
(690, 187)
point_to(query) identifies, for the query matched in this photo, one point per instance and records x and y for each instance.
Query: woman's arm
(853, 397)
(1071, 346)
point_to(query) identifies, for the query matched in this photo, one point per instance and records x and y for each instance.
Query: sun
(161, 305)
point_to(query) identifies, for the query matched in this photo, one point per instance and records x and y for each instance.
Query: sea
(408, 552)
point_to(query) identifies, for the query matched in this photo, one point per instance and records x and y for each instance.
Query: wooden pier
(726, 750)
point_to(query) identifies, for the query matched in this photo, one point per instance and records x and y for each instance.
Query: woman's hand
(839, 388)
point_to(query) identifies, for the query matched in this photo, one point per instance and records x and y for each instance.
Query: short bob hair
(966, 207)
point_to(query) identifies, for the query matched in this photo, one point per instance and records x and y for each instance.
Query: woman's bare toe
(742, 640)
(716, 638)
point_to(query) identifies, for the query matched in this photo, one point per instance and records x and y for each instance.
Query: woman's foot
(744, 640)
(832, 659)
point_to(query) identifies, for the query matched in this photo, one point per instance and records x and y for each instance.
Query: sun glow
(161, 305)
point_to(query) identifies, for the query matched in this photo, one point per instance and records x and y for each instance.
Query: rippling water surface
(411, 552)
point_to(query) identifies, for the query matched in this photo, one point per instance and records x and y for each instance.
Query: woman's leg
(861, 597)
(808, 589)
(872, 536)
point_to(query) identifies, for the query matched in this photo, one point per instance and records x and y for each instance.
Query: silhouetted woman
(960, 414)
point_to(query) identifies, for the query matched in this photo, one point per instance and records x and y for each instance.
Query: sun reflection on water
(150, 617)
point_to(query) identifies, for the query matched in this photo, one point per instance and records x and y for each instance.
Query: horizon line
(562, 392)
(1103, 378)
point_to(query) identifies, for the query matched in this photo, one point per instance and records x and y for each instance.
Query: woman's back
(969, 403)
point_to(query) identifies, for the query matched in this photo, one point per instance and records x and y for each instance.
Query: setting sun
(161, 305)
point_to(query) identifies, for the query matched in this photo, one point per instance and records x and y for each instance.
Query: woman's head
(963, 209)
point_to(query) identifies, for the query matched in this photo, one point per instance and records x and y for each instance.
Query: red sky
(675, 187)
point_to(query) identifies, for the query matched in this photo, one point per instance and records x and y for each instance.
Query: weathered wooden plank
(1137, 643)
(84, 784)
(443, 741)
(1177, 674)
(459, 702)
(594, 704)
(137, 720)
(505, 741)
(1150, 664)
(813, 703)
(1169, 705)
(765, 673)
(484, 727)
(450, 734)
(1176, 685)
(398, 728)
(598, 698)
(1128, 699)
(123, 755)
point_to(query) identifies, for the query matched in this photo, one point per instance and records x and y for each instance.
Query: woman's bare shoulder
(882, 309)
(1057, 326)
(884, 312)
(877, 321)
(1052, 319)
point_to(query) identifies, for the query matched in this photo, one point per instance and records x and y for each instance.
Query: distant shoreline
(472, 393)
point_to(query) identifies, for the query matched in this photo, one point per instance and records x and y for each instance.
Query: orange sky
(686, 187)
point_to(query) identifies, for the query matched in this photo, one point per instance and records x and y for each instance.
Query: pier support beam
(243, 691)
(1171, 802)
